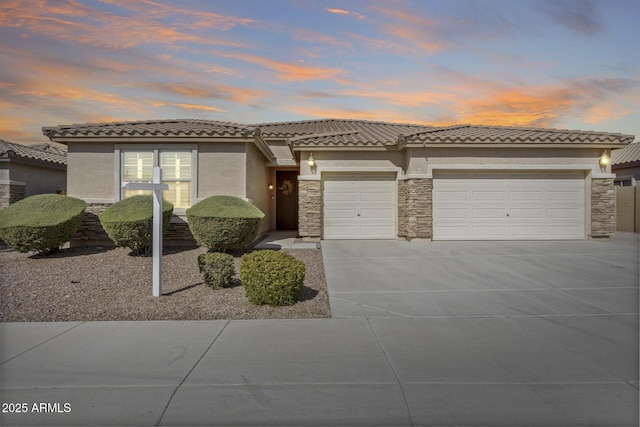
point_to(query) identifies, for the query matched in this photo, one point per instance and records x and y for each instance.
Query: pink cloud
(288, 71)
(345, 12)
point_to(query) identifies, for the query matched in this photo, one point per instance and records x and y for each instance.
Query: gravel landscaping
(83, 284)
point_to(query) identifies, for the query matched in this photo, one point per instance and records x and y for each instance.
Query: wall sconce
(311, 161)
(604, 160)
(270, 186)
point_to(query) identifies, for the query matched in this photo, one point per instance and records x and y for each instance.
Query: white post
(156, 187)
(157, 233)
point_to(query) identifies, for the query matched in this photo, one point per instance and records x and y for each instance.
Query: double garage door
(467, 205)
(508, 206)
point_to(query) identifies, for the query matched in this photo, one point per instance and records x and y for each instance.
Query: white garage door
(508, 205)
(359, 206)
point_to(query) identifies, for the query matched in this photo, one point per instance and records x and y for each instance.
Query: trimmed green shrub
(129, 222)
(273, 278)
(217, 269)
(41, 223)
(224, 223)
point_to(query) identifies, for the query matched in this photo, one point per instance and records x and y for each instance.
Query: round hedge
(41, 223)
(224, 223)
(272, 278)
(129, 222)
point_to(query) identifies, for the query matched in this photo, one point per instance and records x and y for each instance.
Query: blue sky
(560, 63)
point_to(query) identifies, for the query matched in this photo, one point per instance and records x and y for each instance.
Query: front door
(287, 200)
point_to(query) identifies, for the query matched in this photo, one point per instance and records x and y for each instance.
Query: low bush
(224, 223)
(217, 269)
(41, 223)
(272, 278)
(129, 222)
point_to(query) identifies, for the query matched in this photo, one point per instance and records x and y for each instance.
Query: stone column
(603, 207)
(415, 216)
(310, 210)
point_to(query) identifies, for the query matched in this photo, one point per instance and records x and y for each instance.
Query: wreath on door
(286, 187)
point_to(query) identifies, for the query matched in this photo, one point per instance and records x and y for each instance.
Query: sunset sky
(559, 63)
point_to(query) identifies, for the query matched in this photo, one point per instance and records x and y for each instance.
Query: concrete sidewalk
(361, 372)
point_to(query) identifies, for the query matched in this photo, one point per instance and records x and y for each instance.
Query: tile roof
(476, 134)
(146, 128)
(364, 131)
(42, 152)
(628, 154)
(341, 132)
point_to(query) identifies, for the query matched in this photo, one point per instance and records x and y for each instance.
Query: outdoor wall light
(311, 161)
(604, 160)
(270, 186)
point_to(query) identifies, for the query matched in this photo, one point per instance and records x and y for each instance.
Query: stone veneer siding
(11, 193)
(603, 207)
(310, 210)
(91, 232)
(415, 217)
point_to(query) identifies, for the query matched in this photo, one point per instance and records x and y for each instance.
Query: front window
(137, 166)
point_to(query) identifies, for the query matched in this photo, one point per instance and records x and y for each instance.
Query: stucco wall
(38, 179)
(257, 183)
(221, 169)
(540, 158)
(351, 161)
(91, 170)
(627, 172)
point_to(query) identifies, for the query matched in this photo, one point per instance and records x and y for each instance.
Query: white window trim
(156, 148)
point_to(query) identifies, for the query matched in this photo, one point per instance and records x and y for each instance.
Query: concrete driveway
(481, 279)
(500, 333)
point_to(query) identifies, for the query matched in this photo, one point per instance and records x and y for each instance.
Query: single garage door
(508, 205)
(359, 206)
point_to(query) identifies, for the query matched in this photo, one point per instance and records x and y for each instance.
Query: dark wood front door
(287, 200)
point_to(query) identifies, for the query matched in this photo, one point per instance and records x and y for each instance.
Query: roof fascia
(631, 164)
(33, 162)
(517, 145)
(151, 139)
(263, 147)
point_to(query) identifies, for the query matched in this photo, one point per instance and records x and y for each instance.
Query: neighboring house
(354, 179)
(625, 163)
(26, 170)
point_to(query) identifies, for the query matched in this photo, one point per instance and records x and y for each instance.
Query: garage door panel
(488, 196)
(385, 214)
(461, 213)
(488, 213)
(564, 213)
(340, 197)
(509, 205)
(385, 197)
(527, 231)
(453, 196)
(488, 231)
(518, 213)
(526, 196)
(340, 213)
(563, 195)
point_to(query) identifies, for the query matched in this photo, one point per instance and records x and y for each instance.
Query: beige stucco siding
(221, 169)
(38, 179)
(504, 158)
(257, 183)
(91, 170)
(352, 161)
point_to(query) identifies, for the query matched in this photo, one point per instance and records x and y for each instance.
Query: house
(26, 170)
(625, 163)
(355, 179)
